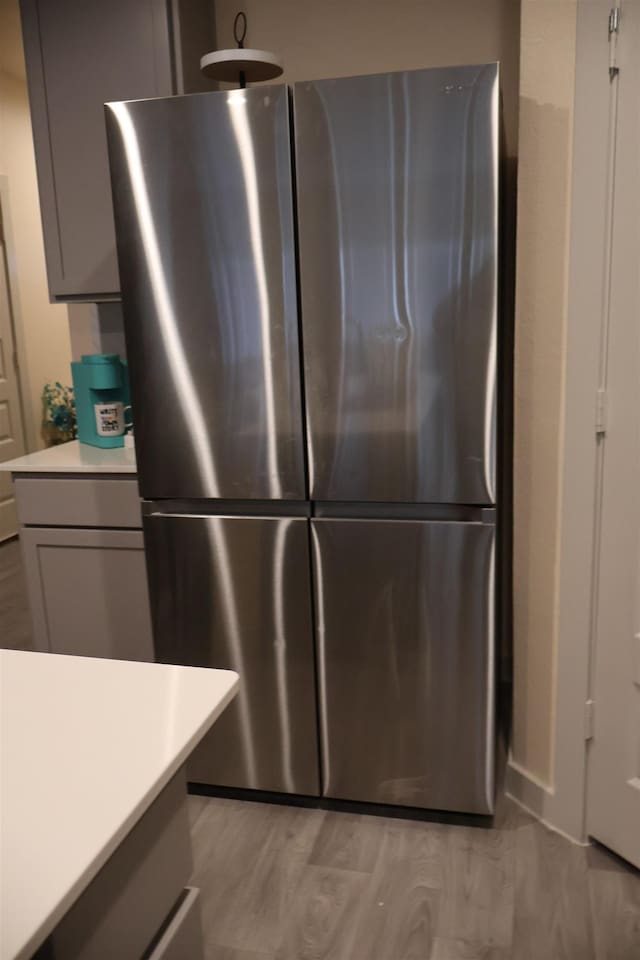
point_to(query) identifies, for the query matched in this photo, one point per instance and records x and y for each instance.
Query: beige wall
(547, 66)
(45, 330)
(337, 38)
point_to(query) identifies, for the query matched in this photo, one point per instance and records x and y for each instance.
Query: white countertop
(86, 746)
(74, 457)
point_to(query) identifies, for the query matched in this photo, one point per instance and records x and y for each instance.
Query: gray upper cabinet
(81, 54)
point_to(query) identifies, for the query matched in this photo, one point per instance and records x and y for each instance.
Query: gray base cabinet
(85, 566)
(79, 55)
(139, 905)
(88, 592)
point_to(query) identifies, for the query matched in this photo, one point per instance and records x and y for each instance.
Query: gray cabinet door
(88, 592)
(80, 54)
(405, 640)
(234, 593)
(203, 201)
(397, 185)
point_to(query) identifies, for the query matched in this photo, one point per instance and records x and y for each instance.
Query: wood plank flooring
(285, 883)
(15, 620)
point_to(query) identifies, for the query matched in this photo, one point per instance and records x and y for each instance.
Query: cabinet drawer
(66, 502)
(120, 911)
(183, 935)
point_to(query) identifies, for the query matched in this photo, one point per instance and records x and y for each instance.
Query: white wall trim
(590, 205)
(524, 787)
(534, 796)
(562, 806)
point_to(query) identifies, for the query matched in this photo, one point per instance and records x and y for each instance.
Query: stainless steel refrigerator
(309, 285)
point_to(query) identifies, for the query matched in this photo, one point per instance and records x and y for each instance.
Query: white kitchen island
(94, 842)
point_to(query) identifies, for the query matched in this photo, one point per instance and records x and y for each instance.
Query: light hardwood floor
(287, 883)
(15, 622)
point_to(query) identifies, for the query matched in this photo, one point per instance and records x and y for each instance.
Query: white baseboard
(536, 797)
(526, 788)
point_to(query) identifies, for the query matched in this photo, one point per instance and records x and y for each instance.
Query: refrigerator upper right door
(397, 185)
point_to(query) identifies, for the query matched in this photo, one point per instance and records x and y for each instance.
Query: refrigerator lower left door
(234, 593)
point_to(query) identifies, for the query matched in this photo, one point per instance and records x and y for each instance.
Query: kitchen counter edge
(74, 457)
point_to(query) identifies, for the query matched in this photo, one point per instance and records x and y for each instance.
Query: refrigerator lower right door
(405, 647)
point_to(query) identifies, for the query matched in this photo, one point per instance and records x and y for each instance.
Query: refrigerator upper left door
(204, 221)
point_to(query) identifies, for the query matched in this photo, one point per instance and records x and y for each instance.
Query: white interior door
(11, 427)
(613, 797)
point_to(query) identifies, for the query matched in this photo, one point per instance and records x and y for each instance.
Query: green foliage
(59, 422)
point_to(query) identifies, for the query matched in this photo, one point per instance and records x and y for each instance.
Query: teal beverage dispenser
(101, 388)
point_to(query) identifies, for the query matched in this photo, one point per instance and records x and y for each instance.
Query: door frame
(613, 777)
(562, 804)
(28, 426)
